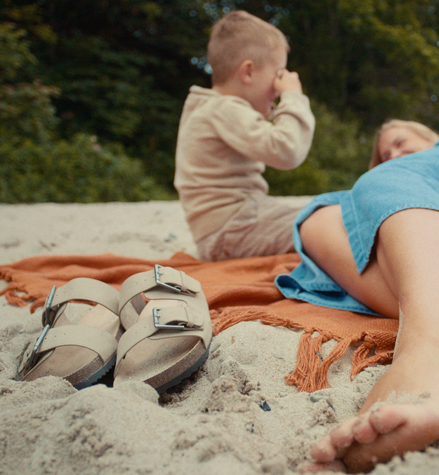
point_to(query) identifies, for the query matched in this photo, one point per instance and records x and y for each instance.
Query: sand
(213, 423)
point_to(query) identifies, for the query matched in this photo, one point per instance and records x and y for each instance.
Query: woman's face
(399, 141)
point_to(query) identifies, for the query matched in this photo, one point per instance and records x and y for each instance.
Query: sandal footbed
(80, 366)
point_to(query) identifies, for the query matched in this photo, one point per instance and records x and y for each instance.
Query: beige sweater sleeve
(282, 143)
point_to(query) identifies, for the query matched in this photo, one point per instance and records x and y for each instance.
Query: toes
(335, 444)
(388, 418)
(375, 437)
(364, 431)
(343, 435)
(399, 428)
(324, 451)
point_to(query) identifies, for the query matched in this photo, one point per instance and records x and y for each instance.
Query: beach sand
(213, 423)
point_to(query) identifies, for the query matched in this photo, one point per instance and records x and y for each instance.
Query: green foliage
(373, 58)
(29, 16)
(79, 171)
(338, 156)
(399, 62)
(124, 71)
(339, 148)
(121, 70)
(108, 99)
(14, 52)
(37, 166)
(26, 111)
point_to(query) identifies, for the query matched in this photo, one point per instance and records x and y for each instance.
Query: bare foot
(375, 436)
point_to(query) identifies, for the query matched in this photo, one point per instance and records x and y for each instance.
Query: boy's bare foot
(377, 435)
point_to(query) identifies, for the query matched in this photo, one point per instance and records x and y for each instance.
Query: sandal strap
(92, 338)
(96, 339)
(161, 279)
(166, 322)
(81, 288)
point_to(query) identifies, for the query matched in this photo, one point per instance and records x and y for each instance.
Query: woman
(381, 254)
(400, 137)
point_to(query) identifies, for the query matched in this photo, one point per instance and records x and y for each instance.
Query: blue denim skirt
(407, 182)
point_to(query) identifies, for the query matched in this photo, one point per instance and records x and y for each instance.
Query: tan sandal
(166, 339)
(80, 353)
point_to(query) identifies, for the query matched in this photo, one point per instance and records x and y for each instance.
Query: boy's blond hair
(240, 36)
(416, 127)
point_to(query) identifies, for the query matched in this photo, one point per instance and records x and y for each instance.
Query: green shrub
(26, 111)
(26, 108)
(79, 171)
(15, 55)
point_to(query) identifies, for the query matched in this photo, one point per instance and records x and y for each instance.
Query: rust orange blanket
(237, 290)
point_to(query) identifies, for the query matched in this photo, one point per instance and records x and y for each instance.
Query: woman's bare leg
(407, 264)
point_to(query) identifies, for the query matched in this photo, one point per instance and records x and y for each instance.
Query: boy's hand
(287, 81)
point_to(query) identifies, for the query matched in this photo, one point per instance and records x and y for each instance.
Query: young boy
(225, 141)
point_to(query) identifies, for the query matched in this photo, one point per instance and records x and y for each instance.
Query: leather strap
(87, 289)
(190, 320)
(146, 282)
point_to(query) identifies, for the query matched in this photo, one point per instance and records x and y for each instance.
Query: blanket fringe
(376, 349)
(304, 376)
(12, 297)
(224, 318)
(311, 371)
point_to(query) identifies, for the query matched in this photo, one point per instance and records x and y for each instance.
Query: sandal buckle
(48, 316)
(29, 358)
(159, 326)
(174, 288)
(48, 312)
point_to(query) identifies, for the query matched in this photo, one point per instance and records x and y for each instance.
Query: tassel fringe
(311, 371)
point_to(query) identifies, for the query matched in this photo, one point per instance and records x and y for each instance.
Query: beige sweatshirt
(223, 146)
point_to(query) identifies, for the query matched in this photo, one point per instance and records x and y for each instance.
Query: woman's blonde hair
(240, 36)
(416, 127)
